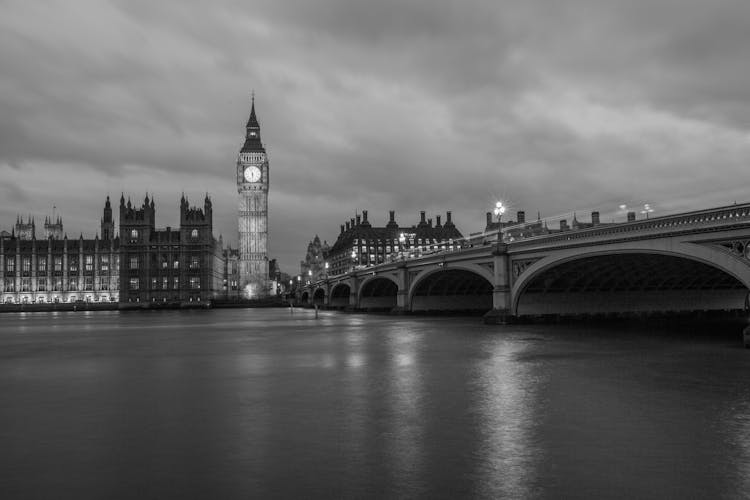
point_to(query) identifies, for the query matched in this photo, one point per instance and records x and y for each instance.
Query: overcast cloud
(405, 105)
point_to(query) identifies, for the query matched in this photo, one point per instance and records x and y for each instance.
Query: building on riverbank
(182, 266)
(57, 269)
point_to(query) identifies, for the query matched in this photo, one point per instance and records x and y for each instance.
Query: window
(195, 262)
(164, 262)
(133, 234)
(58, 264)
(176, 284)
(10, 285)
(176, 264)
(41, 285)
(135, 283)
(165, 283)
(194, 234)
(89, 260)
(234, 284)
(153, 283)
(133, 262)
(88, 283)
(234, 267)
(73, 284)
(26, 284)
(26, 263)
(10, 264)
(73, 264)
(195, 282)
(57, 284)
(42, 265)
(104, 262)
(103, 283)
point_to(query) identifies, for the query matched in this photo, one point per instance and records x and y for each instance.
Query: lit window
(89, 262)
(10, 264)
(195, 282)
(26, 265)
(176, 264)
(105, 262)
(135, 283)
(73, 266)
(134, 234)
(176, 283)
(194, 262)
(194, 234)
(133, 262)
(42, 264)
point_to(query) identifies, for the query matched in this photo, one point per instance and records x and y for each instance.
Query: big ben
(252, 189)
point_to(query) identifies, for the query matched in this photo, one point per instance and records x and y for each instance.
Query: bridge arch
(305, 297)
(340, 295)
(670, 276)
(457, 288)
(378, 292)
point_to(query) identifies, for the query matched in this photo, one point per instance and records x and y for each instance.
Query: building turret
(108, 224)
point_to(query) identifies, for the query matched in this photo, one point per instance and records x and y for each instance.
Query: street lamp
(326, 268)
(309, 276)
(499, 210)
(354, 258)
(647, 209)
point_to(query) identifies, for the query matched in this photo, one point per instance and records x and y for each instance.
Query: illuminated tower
(252, 189)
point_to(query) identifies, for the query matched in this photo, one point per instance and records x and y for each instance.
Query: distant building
(183, 266)
(361, 244)
(56, 269)
(313, 267)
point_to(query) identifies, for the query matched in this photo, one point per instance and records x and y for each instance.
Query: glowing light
(249, 292)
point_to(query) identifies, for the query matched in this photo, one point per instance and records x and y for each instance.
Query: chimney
(521, 217)
(347, 226)
(342, 228)
(448, 218)
(429, 222)
(631, 216)
(364, 215)
(489, 219)
(563, 225)
(351, 222)
(392, 216)
(438, 221)
(359, 219)
(421, 217)
(595, 218)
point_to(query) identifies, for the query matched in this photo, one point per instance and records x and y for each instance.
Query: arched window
(194, 234)
(134, 233)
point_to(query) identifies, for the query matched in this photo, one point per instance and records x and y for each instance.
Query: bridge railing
(667, 223)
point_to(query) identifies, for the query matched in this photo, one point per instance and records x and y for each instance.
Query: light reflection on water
(265, 403)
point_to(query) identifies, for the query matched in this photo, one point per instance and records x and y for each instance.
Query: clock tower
(252, 187)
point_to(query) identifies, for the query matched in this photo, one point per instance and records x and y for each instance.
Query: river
(261, 403)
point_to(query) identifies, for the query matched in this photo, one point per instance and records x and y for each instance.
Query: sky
(554, 108)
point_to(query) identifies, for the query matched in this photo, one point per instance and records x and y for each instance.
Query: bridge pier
(501, 313)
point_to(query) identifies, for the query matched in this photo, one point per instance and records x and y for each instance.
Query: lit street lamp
(647, 209)
(499, 210)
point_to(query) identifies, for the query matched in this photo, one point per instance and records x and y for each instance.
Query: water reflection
(506, 397)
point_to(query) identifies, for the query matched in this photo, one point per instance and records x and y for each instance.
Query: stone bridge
(692, 261)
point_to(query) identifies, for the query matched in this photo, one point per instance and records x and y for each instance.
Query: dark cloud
(403, 105)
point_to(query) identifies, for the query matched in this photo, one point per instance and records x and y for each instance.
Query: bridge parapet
(702, 220)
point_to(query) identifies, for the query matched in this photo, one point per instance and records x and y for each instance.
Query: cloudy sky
(433, 105)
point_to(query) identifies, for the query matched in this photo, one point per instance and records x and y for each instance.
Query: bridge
(693, 261)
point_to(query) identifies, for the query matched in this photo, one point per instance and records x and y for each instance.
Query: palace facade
(58, 269)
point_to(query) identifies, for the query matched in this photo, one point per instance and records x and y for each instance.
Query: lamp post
(309, 276)
(499, 211)
(647, 209)
(325, 266)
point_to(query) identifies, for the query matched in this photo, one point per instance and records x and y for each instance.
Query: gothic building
(252, 189)
(361, 244)
(182, 266)
(313, 267)
(56, 269)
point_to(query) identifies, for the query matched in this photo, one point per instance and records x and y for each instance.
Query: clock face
(252, 174)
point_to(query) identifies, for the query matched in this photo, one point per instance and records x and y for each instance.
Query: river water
(261, 403)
